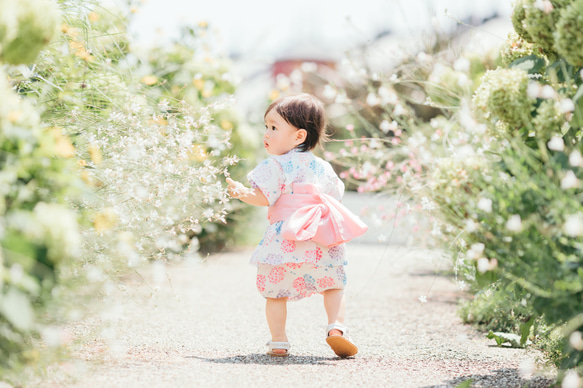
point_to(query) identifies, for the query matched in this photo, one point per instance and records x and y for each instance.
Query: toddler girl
(302, 252)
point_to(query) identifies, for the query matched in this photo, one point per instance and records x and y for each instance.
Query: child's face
(280, 137)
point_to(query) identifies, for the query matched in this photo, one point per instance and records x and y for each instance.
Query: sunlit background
(260, 35)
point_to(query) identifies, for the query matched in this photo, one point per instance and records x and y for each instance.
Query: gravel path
(205, 327)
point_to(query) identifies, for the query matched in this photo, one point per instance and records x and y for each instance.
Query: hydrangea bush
(497, 170)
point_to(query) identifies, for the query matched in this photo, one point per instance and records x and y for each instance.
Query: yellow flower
(199, 83)
(63, 146)
(82, 162)
(159, 120)
(207, 93)
(95, 154)
(203, 24)
(150, 80)
(93, 17)
(198, 153)
(14, 116)
(274, 95)
(105, 220)
(226, 125)
(80, 51)
(86, 177)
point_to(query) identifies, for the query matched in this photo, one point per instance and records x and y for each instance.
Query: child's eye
(273, 128)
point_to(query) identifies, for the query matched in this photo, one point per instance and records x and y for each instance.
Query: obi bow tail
(311, 215)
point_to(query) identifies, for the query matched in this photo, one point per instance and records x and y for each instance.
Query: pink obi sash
(309, 214)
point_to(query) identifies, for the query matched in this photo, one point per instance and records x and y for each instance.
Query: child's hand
(236, 189)
(251, 196)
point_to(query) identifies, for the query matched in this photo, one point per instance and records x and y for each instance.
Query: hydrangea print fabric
(274, 176)
(287, 268)
(297, 281)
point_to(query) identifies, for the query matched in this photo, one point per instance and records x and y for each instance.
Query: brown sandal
(342, 345)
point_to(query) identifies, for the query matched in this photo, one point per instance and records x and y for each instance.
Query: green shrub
(39, 233)
(502, 96)
(27, 27)
(568, 36)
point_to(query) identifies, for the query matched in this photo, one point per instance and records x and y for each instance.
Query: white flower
(382, 238)
(208, 214)
(485, 204)
(478, 247)
(329, 92)
(387, 96)
(385, 126)
(574, 225)
(571, 380)
(423, 57)
(372, 99)
(576, 340)
(462, 285)
(163, 105)
(567, 105)
(533, 90)
(544, 5)
(309, 67)
(462, 64)
(471, 226)
(556, 143)
(427, 204)
(569, 181)
(483, 264)
(422, 299)
(399, 110)
(575, 159)
(548, 92)
(514, 223)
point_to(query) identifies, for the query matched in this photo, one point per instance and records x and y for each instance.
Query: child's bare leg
(334, 305)
(276, 312)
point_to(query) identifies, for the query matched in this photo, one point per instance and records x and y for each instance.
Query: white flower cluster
(158, 179)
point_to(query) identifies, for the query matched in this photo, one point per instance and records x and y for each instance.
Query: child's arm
(251, 196)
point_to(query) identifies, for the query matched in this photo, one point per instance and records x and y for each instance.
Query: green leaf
(577, 120)
(465, 384)
(578, 95)
(525, 330)
(560, 70)
(512, 339)
(16, 308)
(531, 64)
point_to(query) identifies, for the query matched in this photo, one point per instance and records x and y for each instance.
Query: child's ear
(301, 135)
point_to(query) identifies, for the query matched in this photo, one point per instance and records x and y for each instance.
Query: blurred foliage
(109, 156)
(39, 234)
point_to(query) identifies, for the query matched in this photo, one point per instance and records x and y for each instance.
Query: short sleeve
(269, 177)
(338, 191)
(333, 184)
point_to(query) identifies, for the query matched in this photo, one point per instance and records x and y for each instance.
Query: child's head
(303, 112)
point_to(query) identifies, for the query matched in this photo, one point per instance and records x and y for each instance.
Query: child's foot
(339, 341)
(279, 349)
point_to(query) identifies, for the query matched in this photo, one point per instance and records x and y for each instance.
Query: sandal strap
(278, 345)
(337, 326)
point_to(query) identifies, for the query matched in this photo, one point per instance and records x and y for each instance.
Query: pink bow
(311, 215)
